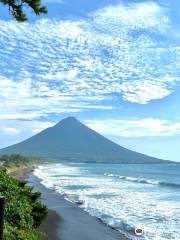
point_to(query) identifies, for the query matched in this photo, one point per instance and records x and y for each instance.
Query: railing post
(2, 205)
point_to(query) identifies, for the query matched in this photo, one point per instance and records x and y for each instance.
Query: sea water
(124, 196)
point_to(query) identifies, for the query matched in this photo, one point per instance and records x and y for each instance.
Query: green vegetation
(16, 8)
(14, 160)
(23, 212)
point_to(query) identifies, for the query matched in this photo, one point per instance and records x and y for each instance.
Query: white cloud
(11, 131)
(146, 127)
(132, 16)
(143, 92)
(53, 66)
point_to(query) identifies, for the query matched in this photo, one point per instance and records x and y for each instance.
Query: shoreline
(72, 222)
(66, 220)
(51, 224)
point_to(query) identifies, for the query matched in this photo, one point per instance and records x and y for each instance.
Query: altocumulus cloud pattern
(116, 52)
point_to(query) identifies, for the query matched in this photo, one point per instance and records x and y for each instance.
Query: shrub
(23, 212)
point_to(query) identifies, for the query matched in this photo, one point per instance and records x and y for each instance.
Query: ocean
(124, 196)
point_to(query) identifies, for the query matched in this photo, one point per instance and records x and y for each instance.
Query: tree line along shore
(24, 211)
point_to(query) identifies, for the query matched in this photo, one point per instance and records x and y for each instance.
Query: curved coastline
(71, 221)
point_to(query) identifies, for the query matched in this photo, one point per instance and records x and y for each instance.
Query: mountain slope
(70, 140)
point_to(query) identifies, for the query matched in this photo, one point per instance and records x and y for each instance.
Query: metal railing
(2, 205)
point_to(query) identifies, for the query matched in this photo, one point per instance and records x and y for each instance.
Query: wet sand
(66, 221)
(50, 225)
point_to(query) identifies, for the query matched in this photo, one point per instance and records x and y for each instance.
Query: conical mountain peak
(70, 118)
(67, 121)
(72, 141)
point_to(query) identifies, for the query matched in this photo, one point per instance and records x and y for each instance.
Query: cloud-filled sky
(115, 65)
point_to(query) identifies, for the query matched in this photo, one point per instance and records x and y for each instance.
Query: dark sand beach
(66, 221)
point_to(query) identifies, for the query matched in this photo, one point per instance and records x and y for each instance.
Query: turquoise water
(124, 196)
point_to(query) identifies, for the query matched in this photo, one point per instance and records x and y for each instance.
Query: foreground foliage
(23, 212)
(17, 8)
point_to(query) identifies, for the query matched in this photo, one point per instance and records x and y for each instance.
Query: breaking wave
(145, 181)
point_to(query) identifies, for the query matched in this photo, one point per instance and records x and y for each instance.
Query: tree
(16, 8)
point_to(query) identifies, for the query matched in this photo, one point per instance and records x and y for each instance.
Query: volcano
(71, 141)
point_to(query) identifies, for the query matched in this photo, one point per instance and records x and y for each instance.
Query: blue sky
(115, 65)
